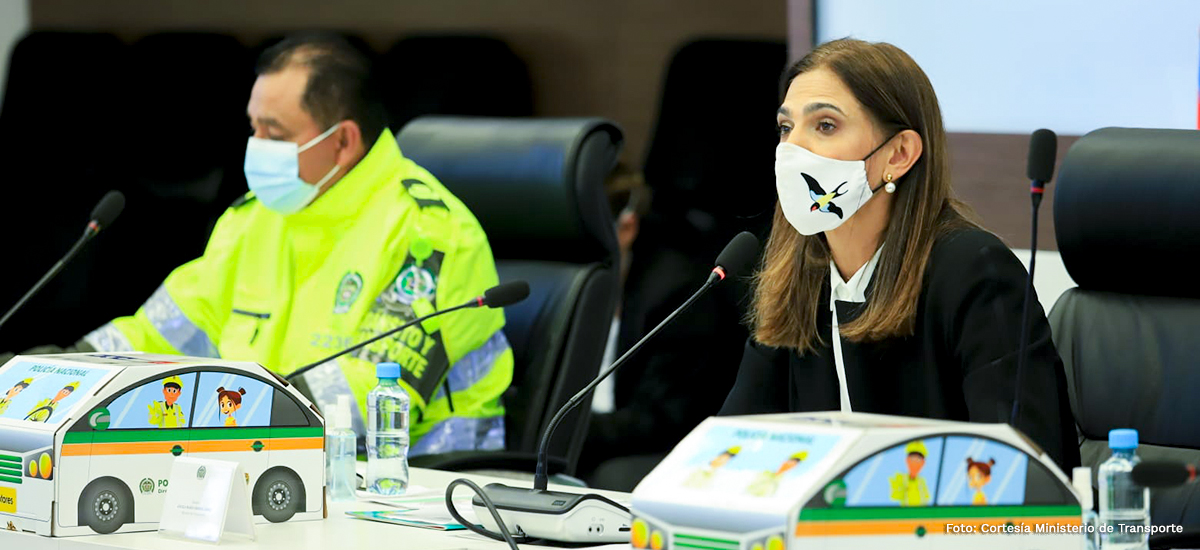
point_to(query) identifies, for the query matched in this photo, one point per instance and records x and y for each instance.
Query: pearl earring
(890, 187)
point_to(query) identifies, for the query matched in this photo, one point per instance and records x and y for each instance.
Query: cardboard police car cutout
(853, 480)
(88, 440)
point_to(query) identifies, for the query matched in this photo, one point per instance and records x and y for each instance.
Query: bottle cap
(1122, 439)
(1081, 479)
(387, 370)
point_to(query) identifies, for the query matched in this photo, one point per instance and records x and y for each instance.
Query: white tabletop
(337, 532)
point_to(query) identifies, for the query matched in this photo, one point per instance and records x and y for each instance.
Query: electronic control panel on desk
(854, 480)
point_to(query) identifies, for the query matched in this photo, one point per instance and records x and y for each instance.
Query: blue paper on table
(401, 518)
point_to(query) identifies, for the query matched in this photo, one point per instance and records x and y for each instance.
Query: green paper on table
(400, 517)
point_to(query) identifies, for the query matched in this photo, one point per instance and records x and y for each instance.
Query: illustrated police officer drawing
(43, 409)
(165, 413)
(703, 477)
(767, 482)
(13, 392)
(910, 489)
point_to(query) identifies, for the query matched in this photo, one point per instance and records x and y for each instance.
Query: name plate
(206, 499)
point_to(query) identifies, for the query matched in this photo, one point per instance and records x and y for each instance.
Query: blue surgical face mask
(273, 173)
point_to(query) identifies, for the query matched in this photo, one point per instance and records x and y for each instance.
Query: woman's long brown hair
(787, 291)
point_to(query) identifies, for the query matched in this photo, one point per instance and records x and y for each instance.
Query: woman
(878, 292)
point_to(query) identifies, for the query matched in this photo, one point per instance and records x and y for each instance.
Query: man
(672, 384)
(43, 409)
(165, 414)
(340, 239)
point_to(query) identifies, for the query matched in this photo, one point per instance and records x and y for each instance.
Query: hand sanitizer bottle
(340, 453)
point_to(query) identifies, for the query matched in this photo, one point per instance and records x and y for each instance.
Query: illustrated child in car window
(978, 475)
(230, 402)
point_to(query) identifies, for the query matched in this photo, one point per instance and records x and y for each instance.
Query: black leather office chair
(1125, 213)
(536, 186)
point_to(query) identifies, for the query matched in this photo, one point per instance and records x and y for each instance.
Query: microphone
(102, 216)
(1043, 147)
(1163, 474)
(736, 256)
(107, 210)
(734, 259)
(501, 295)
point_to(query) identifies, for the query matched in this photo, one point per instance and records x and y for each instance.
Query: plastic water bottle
(340, 452)
(387, 433)
(1124, 505)
(1081, 479)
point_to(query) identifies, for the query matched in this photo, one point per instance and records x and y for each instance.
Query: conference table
(338, 531)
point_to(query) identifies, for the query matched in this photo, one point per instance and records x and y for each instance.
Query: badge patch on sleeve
(414, 282)
(421, 355)
(347, 292)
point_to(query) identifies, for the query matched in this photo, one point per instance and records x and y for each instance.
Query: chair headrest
(1127, 199)
(535, 185)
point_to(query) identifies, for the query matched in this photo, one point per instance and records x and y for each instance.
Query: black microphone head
(1161, 473)
(738, 254)
(108, 208)
(1043, 147)
(506, 294)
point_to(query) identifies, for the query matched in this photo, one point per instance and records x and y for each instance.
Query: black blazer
(960, 364)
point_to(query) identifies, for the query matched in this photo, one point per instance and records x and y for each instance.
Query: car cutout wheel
(105, 506)
(278, 495)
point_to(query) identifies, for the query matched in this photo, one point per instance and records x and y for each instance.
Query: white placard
(206, 499)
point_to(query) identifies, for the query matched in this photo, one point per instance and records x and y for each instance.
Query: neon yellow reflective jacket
(385, 244)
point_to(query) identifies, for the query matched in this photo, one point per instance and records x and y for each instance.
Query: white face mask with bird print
(819, 193)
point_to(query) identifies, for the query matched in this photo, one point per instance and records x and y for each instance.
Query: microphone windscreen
(506, 294)
(1161, 473)
(738, 254)
(108, 208)
(1043, 147)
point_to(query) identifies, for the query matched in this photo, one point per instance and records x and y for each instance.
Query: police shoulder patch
(347, 292)
(425, 195)
(414, 283)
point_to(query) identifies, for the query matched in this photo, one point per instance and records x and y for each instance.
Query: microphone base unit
(555, 515)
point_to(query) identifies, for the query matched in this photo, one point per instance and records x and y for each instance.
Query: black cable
(504, 535)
